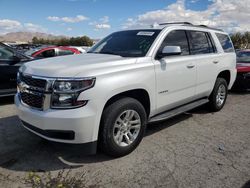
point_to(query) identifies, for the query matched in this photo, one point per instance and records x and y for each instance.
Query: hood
(82, 65)
(243, 67)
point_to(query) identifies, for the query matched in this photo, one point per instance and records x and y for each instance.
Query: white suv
(128, 79)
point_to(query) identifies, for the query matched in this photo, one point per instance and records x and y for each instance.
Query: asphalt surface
(196, 149)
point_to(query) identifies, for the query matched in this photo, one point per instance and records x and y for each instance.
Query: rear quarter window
(225, 42)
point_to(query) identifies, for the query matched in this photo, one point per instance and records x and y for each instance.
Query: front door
(9, 65)
(175, 74)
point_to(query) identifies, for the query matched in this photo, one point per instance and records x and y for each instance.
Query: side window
(176, 38)
(199, 43)
(6, 54)
(47, 53)
(211, 43)
(225, 42)
(64, 52)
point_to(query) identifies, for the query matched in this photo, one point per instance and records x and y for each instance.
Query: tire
(114, 133)
(218, 96)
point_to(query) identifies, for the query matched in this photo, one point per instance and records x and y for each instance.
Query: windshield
(132, 43)
(243, 57)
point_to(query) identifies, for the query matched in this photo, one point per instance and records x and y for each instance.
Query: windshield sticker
(146, 33)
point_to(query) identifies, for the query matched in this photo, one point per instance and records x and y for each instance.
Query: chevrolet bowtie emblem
(22, 87)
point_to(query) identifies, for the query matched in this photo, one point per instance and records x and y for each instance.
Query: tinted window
(176, 38)
(6, 54)
(211, 43)
(225, 42)
(47, 53)
(243, 57)
(133, 43)
(65, 52)
(199, 43)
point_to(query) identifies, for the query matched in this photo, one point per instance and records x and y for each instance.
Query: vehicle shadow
(239, 92)
(21, 150)
(156, 127)
(6, 100)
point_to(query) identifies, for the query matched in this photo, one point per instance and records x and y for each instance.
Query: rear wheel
(122, 127)
(218, 97)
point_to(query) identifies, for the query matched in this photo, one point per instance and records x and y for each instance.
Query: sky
(98, 18)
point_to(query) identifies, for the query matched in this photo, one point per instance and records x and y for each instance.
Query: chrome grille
(32, 100)
(35, 82)
(32, 90)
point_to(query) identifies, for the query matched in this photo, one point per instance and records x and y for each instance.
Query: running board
(177, 111)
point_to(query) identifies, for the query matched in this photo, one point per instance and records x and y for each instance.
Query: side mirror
(169, 50)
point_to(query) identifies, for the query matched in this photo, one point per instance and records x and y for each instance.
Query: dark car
(242, 81)
(10, 61)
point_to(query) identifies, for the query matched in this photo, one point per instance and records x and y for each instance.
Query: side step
(177, 111)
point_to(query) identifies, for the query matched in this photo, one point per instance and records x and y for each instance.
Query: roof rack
(190, 24)
(209, 27)
(169, 23)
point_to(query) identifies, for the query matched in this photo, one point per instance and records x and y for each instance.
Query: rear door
(204, 55)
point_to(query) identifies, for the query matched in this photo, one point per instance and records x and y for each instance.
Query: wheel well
(226, 75)
(139, 94)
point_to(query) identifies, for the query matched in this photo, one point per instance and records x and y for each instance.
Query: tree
(35, 40)
(241, 40)
(73, 41)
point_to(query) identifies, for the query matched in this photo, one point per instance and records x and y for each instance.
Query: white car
(130, 78)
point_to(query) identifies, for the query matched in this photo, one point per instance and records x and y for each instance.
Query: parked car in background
(81, 49)
(243, 71)
(126, 80)
(10, 61)
(53, 52)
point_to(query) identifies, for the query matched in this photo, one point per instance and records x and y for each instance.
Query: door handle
(215, 62)
(190, 66)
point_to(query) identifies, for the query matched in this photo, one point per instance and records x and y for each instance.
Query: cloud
(102, 26)
(7, 26)
(104, 19)
(78, 18)
(226, 14)
(194, 1)
(69, 29)
(33, 27)
(103, 23)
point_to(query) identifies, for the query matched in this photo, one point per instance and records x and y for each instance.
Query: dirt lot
(197, 149)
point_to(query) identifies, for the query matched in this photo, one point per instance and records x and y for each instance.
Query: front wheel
(122, 127)
(218, 96)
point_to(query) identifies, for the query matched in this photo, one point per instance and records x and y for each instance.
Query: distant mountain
(26, 36)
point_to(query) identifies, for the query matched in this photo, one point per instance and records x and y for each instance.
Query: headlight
(65, 92)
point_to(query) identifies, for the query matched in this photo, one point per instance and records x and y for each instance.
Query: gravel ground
(196, 149)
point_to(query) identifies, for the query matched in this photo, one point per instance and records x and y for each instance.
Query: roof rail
(209, 27)
(190, 24)
(169, 23)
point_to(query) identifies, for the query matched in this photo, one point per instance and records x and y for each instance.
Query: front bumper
(242, 81)
(67, 126)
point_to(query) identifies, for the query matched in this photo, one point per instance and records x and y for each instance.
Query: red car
(54, 51)
(242, 81)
